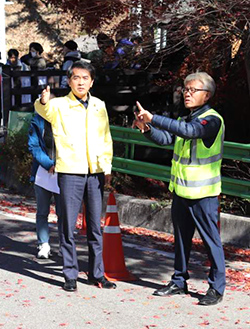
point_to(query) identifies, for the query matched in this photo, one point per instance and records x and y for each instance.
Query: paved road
(31, 296)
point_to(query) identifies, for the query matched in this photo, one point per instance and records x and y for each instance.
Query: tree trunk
(247, 62)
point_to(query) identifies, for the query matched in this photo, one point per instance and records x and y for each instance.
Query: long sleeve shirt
(163, 129)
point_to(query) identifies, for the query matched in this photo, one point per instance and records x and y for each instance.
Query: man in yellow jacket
(84, 153)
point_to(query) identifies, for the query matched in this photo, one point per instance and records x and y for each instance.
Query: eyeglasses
(191, 90)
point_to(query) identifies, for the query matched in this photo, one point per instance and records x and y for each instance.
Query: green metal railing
(132, 137)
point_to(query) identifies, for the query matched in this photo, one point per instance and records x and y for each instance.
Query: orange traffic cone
(113, 257)
(83, 230)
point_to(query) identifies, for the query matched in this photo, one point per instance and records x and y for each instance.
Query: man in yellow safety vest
(195, 181)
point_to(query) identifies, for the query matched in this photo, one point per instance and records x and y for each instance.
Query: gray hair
(205, 79)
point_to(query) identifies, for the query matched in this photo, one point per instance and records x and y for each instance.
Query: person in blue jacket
(42, 147)
(124, 50)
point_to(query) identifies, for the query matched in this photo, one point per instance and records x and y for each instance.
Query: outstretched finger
(139, 106)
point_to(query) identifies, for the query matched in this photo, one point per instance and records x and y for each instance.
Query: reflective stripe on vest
(196, 183)
(195, 171)
(199, 161)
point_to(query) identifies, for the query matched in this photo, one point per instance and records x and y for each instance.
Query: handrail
(127, 164)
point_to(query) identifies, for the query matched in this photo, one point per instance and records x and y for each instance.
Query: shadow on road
(18, 245)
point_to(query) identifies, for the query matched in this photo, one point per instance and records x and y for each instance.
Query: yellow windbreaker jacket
(82, 136)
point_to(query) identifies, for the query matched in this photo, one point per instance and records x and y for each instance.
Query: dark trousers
(73, 190)
(202, 214)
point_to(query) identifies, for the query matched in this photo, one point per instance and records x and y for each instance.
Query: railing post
(7, 94)
(126, 150)
(132, 151)
(34, 84)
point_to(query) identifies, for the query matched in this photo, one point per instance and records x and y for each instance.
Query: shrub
(15, 155)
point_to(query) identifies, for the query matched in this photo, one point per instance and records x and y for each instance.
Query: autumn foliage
(213, 30)
(210, 35)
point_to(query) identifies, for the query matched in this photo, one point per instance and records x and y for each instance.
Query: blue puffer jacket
(163, 129)
(37, 147)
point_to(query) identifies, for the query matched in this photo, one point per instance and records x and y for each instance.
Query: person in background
(177, 108)
(83, 162)
(110, 58)
(137, 41)
(37, 62)
(96, 56)
(15, 64)
(106, 57)
(71, 55)
(42, 147)
(27, 57)
(137, 52)
(195, 181)
(124, 48)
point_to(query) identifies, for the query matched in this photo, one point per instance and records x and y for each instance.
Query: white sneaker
(44, 251)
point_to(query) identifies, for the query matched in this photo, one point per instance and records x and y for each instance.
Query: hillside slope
(32, 21)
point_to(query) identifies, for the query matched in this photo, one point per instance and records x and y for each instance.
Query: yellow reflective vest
(196, 169)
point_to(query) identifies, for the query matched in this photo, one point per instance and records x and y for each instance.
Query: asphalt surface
(31, 294)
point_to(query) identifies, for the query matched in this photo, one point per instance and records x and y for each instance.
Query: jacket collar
(75, 102)
(73, 98)
(199, 111)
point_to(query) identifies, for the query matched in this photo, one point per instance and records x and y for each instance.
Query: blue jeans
(43, 200)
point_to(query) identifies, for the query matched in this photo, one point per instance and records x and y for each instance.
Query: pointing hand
(45, 96)
(143, 115)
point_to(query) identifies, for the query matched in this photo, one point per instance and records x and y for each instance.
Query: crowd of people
(111, 54)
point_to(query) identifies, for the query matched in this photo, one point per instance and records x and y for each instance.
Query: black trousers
(201, 214)
(73, 190)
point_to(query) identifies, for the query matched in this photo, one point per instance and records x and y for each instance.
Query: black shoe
(171, 289)
(70, 285)
(212, 297)
(102, 283)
